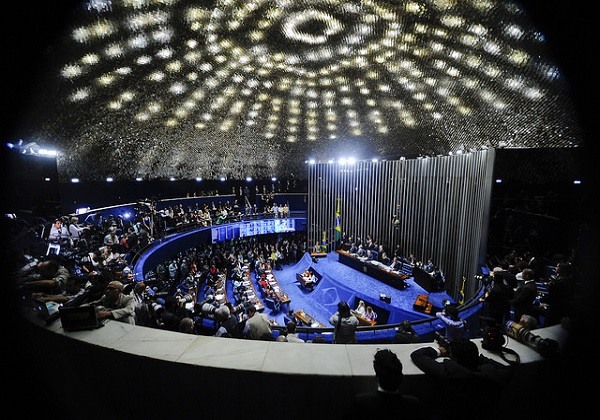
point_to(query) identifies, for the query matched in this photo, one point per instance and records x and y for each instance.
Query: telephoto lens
(547, 347)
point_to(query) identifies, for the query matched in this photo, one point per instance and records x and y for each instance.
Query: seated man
(114, 304)
(291, 317)
(47, 276)
(73, 289)
(309, 279)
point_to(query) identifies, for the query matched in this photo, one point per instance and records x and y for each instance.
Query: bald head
(115, 285)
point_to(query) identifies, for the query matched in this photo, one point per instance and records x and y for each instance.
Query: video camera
(547, 347)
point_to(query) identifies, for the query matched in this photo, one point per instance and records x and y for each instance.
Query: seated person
(384, 259)
(263, 283)
(361, 309)
(370, 314)
(361, 252)
(309, 278)
(291, 317)
(528, 321)
(405, 334)
(47, 276)
(438, 280)
(114, 304)
(58, 233)
(429, 267)
(395, 264)
(73, 289)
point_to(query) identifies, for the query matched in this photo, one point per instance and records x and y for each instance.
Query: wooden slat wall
(443, 204)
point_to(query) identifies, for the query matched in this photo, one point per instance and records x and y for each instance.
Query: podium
(422, 304)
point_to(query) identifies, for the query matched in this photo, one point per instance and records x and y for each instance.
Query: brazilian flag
(338, 225)
(461, 295)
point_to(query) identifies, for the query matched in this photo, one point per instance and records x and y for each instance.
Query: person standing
(522, 302)
(345, 324)
(561, 293)
(496, 305)
(257, 324)
(455, 326)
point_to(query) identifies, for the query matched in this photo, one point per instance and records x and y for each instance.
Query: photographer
(171, 316)
(229, 324)
(462, 378)
(145, 308)
(405, 334)
(455, 325)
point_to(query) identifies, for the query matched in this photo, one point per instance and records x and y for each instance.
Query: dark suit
(522, 302)
(379, 404)
(458, 388)
(497, 305)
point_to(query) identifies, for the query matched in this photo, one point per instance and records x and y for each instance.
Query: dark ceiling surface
(186, 89)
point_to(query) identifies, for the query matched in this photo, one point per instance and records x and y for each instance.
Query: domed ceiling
(186, 89)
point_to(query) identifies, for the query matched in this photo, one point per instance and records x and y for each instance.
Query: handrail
(473, 302)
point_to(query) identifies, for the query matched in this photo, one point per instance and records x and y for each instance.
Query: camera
(240, 307)
(187, 298)
(547, 347)
(442, 341)
(206, 308)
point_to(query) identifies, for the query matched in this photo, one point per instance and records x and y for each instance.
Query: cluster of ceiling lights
(174, 88)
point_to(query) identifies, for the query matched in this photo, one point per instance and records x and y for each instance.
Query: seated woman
(361, 309)
(370, 314)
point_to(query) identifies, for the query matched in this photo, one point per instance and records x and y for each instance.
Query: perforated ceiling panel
(186, 89)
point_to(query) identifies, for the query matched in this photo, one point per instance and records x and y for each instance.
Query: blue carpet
(340, 282)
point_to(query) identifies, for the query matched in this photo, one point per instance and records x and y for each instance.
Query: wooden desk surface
(278, 292)
(307, 319)
(362, 320)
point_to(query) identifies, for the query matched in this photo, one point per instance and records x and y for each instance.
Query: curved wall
(127, 371)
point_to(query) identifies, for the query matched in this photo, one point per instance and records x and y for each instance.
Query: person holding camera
(462, 378)
(405, 334)
(454, 324)
(524, 297)
(496, 301)
(345, 324)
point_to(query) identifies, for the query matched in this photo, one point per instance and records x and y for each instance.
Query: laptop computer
(43, 309)
(79, 318)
